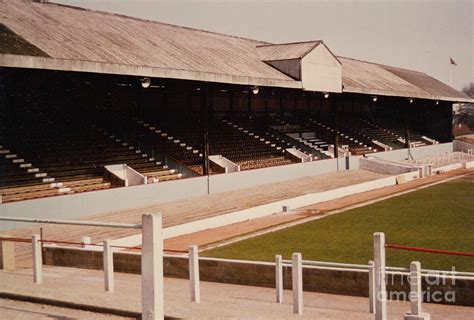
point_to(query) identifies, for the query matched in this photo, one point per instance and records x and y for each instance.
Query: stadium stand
(86, 104)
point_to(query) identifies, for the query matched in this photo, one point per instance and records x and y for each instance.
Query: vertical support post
(85, 241)
(371, 287)
(7, 255)
(108, 261)
(279, 278)
(380, 285)
(249, 101)
(205, 130)
(336, 128)
(297, 277)
(416, 295)
(152, 267)
(194, 274)
(37, 259)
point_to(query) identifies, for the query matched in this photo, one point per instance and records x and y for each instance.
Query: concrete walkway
(219, 301)
(19, 310)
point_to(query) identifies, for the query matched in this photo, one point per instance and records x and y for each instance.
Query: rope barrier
(26, 240)
(15, 239)
(453, 253)
(176, 251)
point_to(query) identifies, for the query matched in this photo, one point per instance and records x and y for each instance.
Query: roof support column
(406, 123)
(308, 102)
(333, 100)
(231, 101)
(249, 102)
(205, 128)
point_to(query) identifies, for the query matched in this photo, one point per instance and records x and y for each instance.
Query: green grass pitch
(438, 217)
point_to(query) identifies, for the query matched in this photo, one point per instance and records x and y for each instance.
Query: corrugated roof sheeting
(285, 51)
(425, 82)
(79, 34)
(115, 41)
(371, 78)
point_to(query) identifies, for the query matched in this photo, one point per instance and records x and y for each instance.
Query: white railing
(151, 259)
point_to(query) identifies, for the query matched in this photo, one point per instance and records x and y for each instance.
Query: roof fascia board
(20, 61)
(350, 89)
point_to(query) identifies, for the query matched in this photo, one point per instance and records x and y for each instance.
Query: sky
(415, 34)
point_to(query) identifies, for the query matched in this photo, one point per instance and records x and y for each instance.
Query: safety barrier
(414, 274)
(377, 272)
(151, 259)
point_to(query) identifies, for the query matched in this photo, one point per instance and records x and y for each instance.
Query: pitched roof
(286, 51)
(372, 78)
(63, 32)
(59, 37)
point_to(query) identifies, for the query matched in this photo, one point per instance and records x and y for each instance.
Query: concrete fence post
(108, 261)
(371, 287)
(7, 255)
(279, 278)
(152, 267)
(85, 241)
(416, 294)
(194, 274)
(297, 282)
(380, 285)
(37, 259)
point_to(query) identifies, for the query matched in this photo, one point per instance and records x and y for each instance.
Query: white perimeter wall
(89, 203)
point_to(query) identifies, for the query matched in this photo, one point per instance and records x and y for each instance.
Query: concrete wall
(89, 203)
(385, 167)
(252, 273)
(249, 178)
(462, 146)
(417, 153)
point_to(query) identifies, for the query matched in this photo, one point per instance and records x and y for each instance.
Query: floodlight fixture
(255, 89)
(145, 82)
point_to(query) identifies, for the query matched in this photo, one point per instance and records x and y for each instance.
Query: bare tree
(469, 89)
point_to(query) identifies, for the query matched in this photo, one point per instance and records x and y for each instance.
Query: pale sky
(414, 34)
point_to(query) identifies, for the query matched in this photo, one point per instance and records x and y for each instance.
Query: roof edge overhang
(32, 62)
(415, 95)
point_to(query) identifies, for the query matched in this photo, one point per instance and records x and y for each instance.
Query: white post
(85, 241)
(37, 259)
(194, 274)
(279, 278)
(152, 267)
(297, 273)
(416, 295)
(108, 261)
(380, 285)
(7, 254)
(371, 287)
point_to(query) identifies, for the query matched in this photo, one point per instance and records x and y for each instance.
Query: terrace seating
(66, 158)
(181, 139)
(391, 132)
(317, 134)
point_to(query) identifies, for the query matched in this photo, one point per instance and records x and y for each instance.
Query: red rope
(15, 239)
(26, 240)
(453, 253)
(71, 242)
(177, 251)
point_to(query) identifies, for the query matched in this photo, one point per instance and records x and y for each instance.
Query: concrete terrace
(192, 209)
(218, 301)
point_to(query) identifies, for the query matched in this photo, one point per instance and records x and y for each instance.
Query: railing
(151, 259)
(377, 270)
